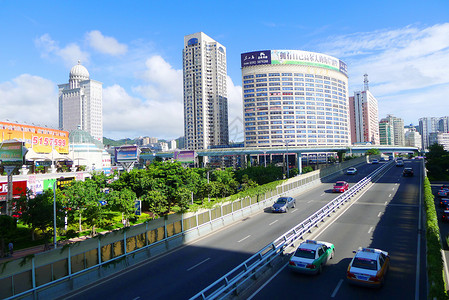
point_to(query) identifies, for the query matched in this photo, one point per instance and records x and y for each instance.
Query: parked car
(340, 187)
(351, 171)
(407, 172)
(311, 256)
(282, 204)
(368, 267)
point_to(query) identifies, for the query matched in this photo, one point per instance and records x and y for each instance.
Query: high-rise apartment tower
(364, 116)
(205, 92)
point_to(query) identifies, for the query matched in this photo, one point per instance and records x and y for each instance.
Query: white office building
(364, 116)
(428, 125)
(81, 103)
(205, 92)
(295, 97)
(412, 138)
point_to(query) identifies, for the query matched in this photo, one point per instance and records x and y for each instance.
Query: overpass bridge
(263, 152)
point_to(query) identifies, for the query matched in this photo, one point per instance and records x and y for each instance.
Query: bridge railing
(233, 280)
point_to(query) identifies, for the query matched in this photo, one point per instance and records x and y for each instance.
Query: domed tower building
(81, 103)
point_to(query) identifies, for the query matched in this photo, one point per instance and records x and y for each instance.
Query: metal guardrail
(230, 282)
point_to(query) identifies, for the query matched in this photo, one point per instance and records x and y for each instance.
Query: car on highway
(311, 256)
(445, 216)
(407, 172)
(444, 202)
(282, 204)
(383, 158)
(375, 161)
(340, 187)
(399, 163)
(444, 186)
(443, 192)
(351, 171)
(368, 267)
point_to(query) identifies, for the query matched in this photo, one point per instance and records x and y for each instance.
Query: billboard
(40, 139)
(293, 57)
(127, 153)
(63, 183)
(11, 153)
(18, 188)
(185, 156)
(256, 58)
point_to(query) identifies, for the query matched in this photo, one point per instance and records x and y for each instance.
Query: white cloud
(162, 81)
(402, 64)
(159, 111)
(105, 44)
(29, 99)
(70, 54)
(127, 116)
(235, 111)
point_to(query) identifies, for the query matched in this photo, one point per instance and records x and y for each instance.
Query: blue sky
(135, 47)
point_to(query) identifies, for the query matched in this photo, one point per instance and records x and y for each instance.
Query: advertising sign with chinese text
(40, 139)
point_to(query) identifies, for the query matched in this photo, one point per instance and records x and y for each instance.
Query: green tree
(39, 213)
(437, 162)
(94, 211)
(123, 201)
(157, 203)
(372, 151)
(76, 201)
(7, 227)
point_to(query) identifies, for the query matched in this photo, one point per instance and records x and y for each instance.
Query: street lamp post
(54, 213)
(288, 169)
(265, 158)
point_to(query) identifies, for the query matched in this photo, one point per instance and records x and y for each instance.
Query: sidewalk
(39, 249)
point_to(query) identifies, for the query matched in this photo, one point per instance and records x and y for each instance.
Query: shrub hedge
(435, 275)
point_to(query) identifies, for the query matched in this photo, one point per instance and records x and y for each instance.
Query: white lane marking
(309, 201)
(370, 230)
(191, 268)
(266, 282)
(386, 202)
(392, 189)
(294, 210)
(272, 223)
(137, 298)
(336, 288)
(322, 194)
(389, 195)
(243, 239)
(380, 213)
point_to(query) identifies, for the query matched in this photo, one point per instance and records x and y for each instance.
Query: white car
(351, 171)
(368, 267)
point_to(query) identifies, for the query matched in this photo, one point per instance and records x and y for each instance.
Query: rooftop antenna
(365, 82)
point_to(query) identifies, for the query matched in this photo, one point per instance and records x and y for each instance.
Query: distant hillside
(115, 143)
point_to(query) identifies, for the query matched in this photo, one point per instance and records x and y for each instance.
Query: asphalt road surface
(385, 217)
(187, 270)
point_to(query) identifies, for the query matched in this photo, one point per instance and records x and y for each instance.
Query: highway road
(185, 271)
(385, 217)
